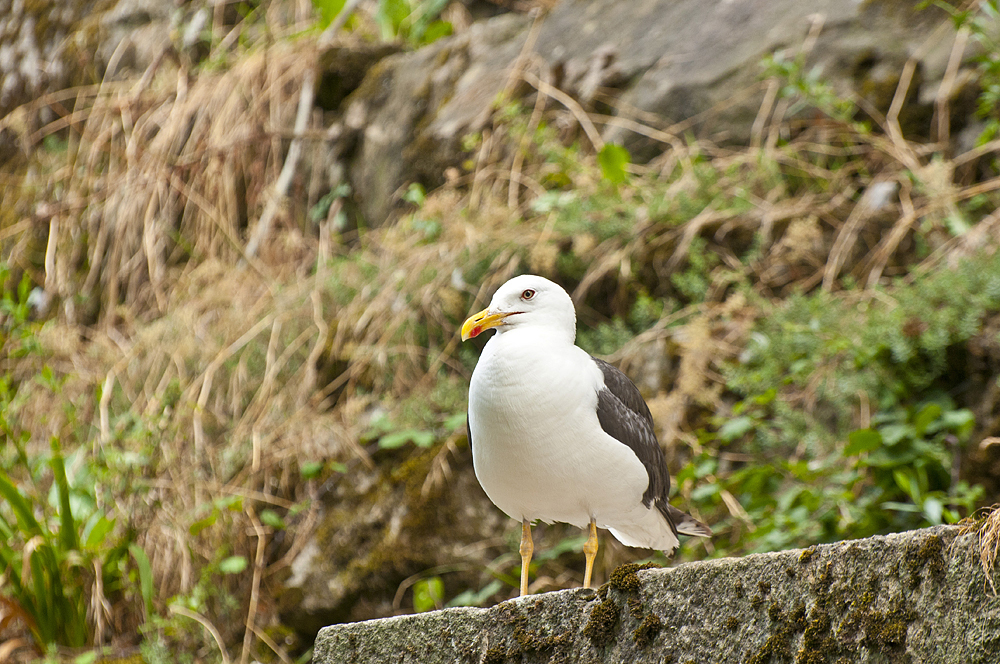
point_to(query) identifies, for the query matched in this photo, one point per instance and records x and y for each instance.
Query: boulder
(680, 65)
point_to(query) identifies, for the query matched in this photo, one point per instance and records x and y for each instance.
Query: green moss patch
(626, 578)
(603, 623)
(647, 630)
(929, 556)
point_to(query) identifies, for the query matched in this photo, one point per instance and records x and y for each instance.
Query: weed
(63, 546)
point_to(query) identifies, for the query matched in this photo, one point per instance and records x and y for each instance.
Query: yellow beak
(478, 323)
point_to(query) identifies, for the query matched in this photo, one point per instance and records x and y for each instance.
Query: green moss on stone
(647, 630)
(626, 578)
(817, 638)
(807, 555)
(776, 647)
(495, 655)
(929, 556)
(603, 623)
(888, 629)
(528, 640)
(775, 613)
(732, 624)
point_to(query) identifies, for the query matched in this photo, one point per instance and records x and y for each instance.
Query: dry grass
(987, 529)
(169, 168)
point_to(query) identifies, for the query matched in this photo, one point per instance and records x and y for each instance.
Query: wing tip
(687, 524)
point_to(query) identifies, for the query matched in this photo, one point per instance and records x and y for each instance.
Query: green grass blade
(145, 575)
(22, 510)
(44, 612)
(67, 525)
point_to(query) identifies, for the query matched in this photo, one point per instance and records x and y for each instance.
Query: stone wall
(919, 596)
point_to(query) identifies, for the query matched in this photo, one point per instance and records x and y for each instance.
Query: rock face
(382, 525)
(919, 596)
(681, 64)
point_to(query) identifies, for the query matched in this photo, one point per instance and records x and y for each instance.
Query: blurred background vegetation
(814, 319)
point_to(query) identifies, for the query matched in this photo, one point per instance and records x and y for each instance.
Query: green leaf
(67, 525)
(415, 193)
(202, 524)
(767, 397)
(379, 425)
(901, 507)
(925, 417)
(98, 531)
(328, 10)
(613, 159)
(473, 598)
(145, 575)
(311, 469)
(428, 594)
(390, 17)
(933, 510)
(233, 564)
(399, 438)
(231, 503)
(862, 440)
(735, 428)
(905, 481)
(704, 491)
(893, 433)
(956, 224)
(436, 30)
(961, 421)
(270, 518)
(455, 422)
(22, 510)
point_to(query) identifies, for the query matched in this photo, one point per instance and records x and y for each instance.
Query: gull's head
(524, 301)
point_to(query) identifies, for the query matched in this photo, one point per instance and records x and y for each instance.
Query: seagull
(560, 436)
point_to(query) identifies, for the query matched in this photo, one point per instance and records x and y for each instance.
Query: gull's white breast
(537, 445)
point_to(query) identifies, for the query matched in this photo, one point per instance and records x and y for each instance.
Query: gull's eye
(527, 294)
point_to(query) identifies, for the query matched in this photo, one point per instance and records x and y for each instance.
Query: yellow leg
(527, 548)
(590, 551)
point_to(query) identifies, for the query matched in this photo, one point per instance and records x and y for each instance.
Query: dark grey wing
(624, 416)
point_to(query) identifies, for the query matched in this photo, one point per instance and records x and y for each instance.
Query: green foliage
(321, 209)
(479, 597)
(908, 457)
(806, 89)
(694, 280)
(613, 159)
(428, 594)
(391, 436)
(417, 22)
(608, 337)
(813, 478)
(17, 336)
(212, 594)
(328, 10)
(232, 564)
(982, 20)
(58, 529)
(400, 438)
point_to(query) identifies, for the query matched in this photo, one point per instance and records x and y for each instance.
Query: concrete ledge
(919, 596)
